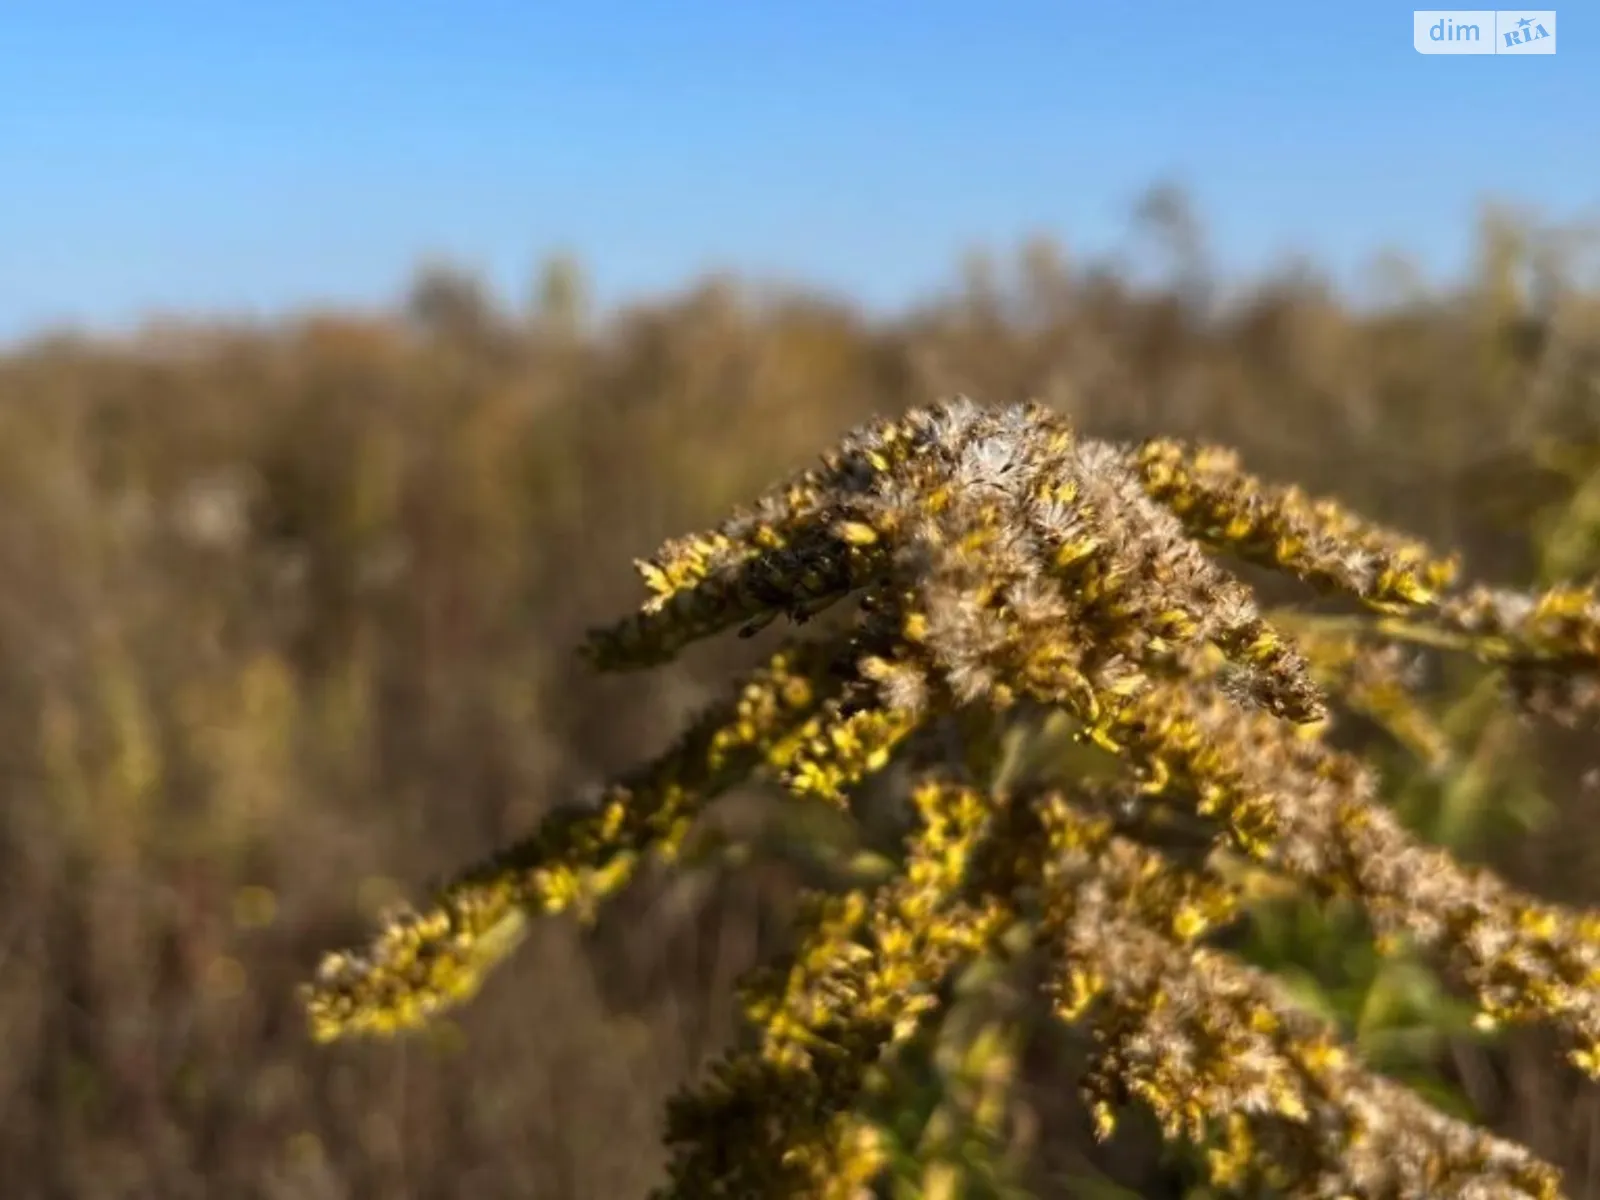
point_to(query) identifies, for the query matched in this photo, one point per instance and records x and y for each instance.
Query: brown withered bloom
(1004, 564)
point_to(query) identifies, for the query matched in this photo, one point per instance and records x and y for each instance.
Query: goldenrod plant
(996, 579)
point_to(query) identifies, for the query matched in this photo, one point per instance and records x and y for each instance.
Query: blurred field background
(288, 618)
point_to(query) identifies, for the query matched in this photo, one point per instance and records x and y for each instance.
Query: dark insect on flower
(1006, 565)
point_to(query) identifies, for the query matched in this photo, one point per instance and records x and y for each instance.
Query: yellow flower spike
(995, 563)
(1159, 778)
(856, 533)
(656, 578)
(1587, 1060)
(1189, 923)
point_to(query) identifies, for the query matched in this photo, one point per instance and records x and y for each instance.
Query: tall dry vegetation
(288, 622)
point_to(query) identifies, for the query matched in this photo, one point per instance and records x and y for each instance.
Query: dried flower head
(1001, 561)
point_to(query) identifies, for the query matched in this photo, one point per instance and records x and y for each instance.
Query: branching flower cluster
(993, 562)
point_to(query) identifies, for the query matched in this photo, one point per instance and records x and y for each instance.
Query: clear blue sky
(257, 154)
